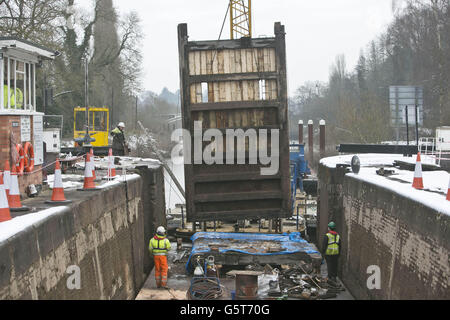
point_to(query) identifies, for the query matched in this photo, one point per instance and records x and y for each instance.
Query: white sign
(38, 145)
(25, 129)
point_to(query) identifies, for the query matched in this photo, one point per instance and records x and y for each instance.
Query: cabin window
(18, 85)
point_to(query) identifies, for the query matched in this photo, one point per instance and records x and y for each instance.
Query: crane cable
(220, 35)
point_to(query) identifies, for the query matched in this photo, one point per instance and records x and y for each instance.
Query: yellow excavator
(98, 131)
(98, 125)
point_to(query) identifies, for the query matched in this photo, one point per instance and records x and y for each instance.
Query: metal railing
(428, 147)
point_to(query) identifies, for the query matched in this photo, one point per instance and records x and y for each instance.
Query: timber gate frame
(246, 84)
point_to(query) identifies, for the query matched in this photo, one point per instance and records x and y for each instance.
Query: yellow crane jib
(241, 18)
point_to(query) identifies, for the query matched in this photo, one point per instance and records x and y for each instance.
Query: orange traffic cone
(93, 164)
(5, 214)
(14, 193)
(448, 192)
(418, 179)
(89, 184)
(7, 177)
(58, 196)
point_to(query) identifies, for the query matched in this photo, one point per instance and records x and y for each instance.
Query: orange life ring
(29, 157)
(20, 165)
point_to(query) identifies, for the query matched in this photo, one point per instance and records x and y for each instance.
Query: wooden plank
(251, 90)
(233, 77)
(191, 63)
(274, 89)
(230, 123)
(228, 91)
(220, 59)
(200, 117)
(232, 61)
(237, 61)
(198, 62)
(212, 119)
(243, 60)
(238, 91)
(209, 56)
(240, 196)
(273, 64)
(266, 60)
(236, 215)
(245, 92)
(220, 119)
(237, 119)
(226, 62)
(210, 92)
(260, 59)
(233, 90)
(216, 92)
(255, 60)
(268, 90)
(250, 60)
(222, 92)
(199, 93)
(203, 62)
(230, 44)
(193, 94)
(215, 62)
(256, 94)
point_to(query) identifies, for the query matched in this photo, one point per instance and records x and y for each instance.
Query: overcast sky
(317, 31)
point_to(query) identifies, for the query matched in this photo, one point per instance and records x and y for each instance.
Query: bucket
(246, 287)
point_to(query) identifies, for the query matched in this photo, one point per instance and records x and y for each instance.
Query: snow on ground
(371, 160)
(70, 181)
(16, 225)
(118, 180)
(436, 183)
(127, 162)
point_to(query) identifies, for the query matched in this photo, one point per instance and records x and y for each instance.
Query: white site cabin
(21, 123)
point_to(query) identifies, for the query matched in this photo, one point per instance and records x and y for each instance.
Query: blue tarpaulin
(291, 243)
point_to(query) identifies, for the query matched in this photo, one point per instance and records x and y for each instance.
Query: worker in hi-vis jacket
(160, 246)
(331, 249)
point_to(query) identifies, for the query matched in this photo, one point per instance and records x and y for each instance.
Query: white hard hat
(121, 124)
(161, 231)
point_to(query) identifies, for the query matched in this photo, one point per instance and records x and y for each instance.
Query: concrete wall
(408, 241)
(106, 235)
(154, 204)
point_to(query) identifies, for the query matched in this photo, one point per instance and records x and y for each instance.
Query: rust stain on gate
(235, 84)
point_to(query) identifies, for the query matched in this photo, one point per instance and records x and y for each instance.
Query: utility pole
(86, 95)
(112, 108)
(135, 123)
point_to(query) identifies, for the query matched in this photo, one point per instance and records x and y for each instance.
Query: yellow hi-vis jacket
(333, 244)
(14, 98)
(159, 246)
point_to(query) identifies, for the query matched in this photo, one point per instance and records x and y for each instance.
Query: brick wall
(408, 241)
(10, 135)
